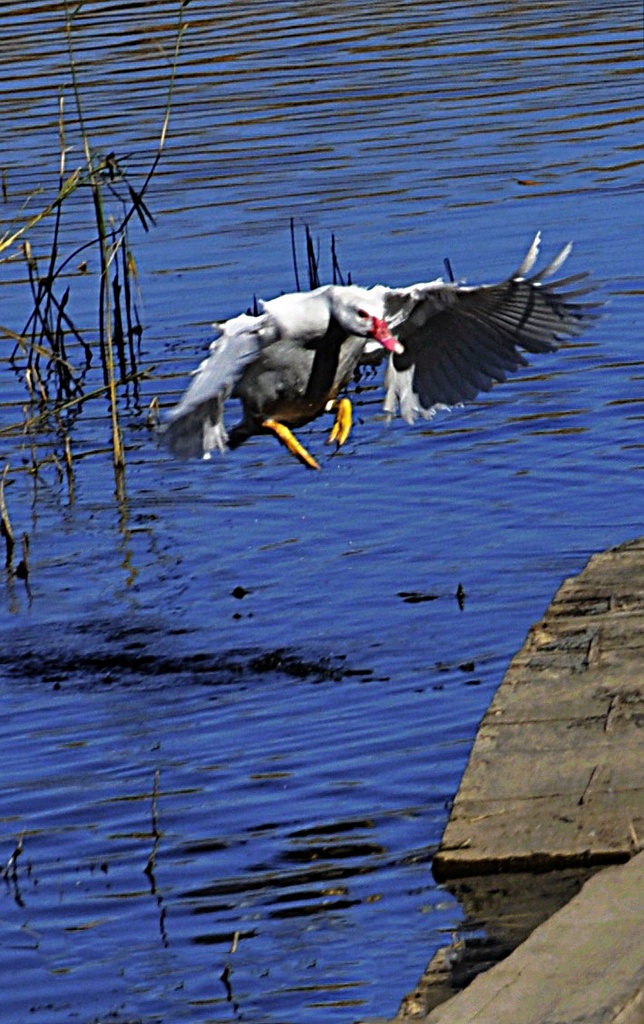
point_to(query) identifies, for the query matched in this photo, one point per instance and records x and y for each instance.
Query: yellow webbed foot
(343, 422)
(288, 438)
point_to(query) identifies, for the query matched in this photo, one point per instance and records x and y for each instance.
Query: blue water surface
(239, 696)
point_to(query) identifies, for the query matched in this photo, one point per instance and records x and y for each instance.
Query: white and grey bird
(445, 343)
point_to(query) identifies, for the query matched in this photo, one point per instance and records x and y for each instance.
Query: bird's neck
(325, 361)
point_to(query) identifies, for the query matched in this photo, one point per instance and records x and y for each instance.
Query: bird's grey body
(294, 384)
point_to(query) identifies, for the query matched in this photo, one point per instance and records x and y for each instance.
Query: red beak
(380, 332)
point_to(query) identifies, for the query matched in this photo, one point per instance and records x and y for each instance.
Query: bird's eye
(362, 313)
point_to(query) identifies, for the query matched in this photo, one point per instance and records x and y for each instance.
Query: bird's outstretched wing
(460, 340)
(196, 426)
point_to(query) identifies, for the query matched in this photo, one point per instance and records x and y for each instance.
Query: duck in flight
(444, 342)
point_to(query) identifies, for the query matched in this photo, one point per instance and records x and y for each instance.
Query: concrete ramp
(554, 789)
(556, 775)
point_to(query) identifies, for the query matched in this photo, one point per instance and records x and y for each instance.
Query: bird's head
(359, 312)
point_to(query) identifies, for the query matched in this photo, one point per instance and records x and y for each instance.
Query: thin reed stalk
(6, 530)
(115, 311)
(106, 251)
(46, 349)
(312, 250)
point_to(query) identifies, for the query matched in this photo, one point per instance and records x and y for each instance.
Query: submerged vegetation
(61, 363)
(52, 353)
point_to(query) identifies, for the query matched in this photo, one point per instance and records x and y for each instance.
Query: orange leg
(343, 421)
(288, 438)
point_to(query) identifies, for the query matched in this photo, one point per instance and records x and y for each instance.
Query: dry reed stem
(68, 187)
(6, 529)
(69, 468)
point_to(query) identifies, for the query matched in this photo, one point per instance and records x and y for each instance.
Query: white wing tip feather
(556, 263)
(530, 259)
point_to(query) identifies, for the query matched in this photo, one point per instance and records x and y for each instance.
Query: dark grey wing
(460, 340)
(195, 427)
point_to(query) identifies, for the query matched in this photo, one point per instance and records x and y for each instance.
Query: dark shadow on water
(88, 655)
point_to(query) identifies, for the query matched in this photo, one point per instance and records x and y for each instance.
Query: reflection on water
(238, 697)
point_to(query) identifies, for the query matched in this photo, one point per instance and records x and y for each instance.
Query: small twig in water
(150, 867)
(226, 975)
(22, 568)
(151, 864)
(10, 870)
